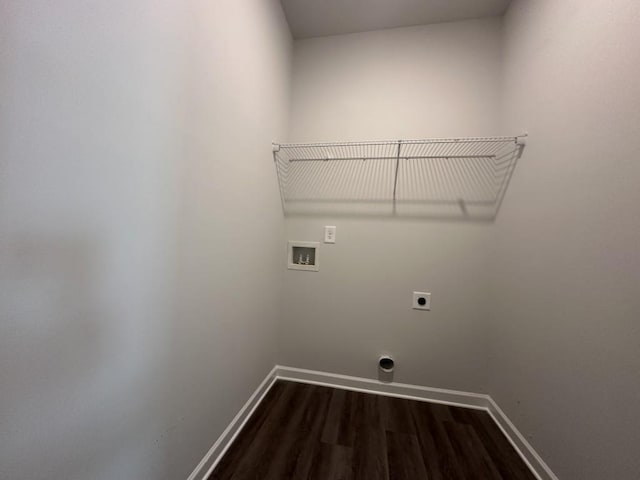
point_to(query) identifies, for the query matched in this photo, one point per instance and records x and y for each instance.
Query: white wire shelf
(448, 177)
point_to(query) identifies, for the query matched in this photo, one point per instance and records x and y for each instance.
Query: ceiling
(317, 18)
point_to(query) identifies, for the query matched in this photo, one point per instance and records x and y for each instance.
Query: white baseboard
(401, 390)
(535, 463)
(222, 444)
(413, 392)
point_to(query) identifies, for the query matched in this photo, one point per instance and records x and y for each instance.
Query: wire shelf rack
(448, 177)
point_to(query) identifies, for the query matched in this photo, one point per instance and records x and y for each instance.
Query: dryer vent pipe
(386, 364)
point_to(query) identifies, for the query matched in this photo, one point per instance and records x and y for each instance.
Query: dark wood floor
(318, 433)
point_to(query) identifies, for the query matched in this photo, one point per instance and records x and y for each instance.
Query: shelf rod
(406, 142)
(410, 157)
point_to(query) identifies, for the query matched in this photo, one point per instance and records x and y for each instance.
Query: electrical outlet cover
(421, 301)
(330, 234)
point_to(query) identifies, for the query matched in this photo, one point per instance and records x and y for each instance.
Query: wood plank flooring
(309, 432)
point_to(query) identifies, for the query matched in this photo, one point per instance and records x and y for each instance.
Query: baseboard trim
(534, 461)
(401, 390)
(224, 441)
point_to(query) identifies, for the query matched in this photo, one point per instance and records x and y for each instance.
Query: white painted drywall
(313, 18)
(565, 336)
(418, 82)
(140, 229)
(415, 82)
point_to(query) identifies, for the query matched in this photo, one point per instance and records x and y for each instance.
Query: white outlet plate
(330, 234)
(421, 301)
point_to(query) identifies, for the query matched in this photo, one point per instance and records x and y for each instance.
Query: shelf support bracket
(463, 207)
(395, 180)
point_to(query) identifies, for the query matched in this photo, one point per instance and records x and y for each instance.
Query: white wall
(565, 333)
(134, 218)
(418, 82)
